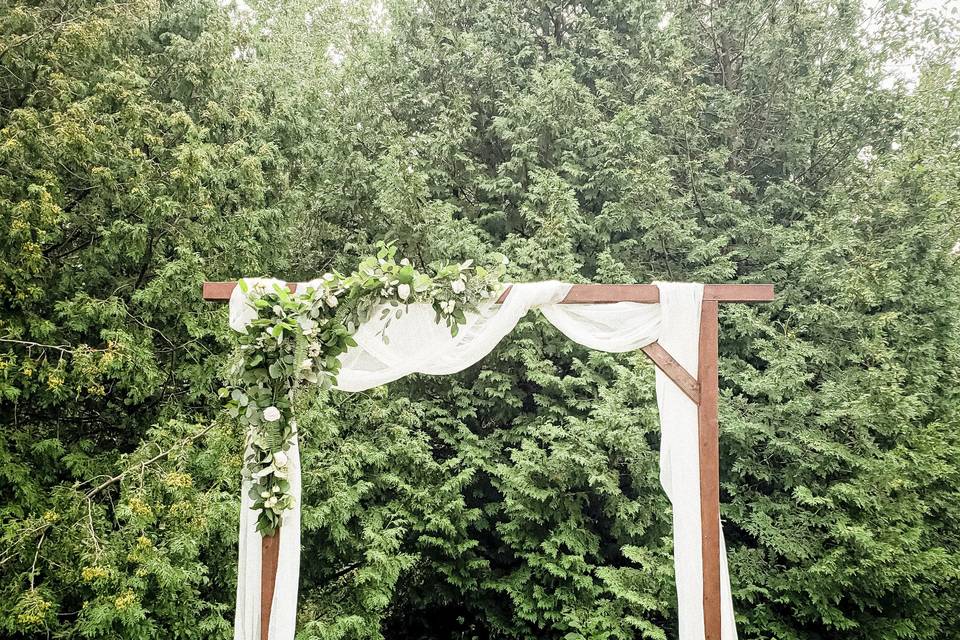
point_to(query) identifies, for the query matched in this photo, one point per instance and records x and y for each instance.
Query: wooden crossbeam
(702, 390)
(584, 293)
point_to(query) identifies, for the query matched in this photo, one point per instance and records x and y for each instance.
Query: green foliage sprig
(299, 337)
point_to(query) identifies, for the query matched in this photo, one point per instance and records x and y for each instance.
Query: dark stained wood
(674, 370)
(608, 293)
(738, 292)
(709, 434)
(585, 293)
(269, 557)
(220, 291)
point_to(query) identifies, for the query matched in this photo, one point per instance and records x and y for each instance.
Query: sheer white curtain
(417, 344)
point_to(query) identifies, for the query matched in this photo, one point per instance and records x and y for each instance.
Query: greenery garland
(300, 337)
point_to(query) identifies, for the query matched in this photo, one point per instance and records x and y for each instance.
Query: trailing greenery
(298, 337)
(147, 146)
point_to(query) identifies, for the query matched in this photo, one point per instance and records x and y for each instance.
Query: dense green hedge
(146, 146)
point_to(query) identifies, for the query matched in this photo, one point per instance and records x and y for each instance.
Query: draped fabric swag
(417, 344)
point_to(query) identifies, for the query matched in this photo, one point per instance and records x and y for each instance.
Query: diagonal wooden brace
(674, 370)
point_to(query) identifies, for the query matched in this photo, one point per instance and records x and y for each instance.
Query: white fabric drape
(680, 463)
(417, 344)
(283, 616)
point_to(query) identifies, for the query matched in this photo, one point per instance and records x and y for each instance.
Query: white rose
(264, 494)
(271, 414)
(459, 286)
(332, 301)
(306, 364)
(279, 459)
(403, 291)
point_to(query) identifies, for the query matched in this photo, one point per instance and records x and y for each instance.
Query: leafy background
(147, 145)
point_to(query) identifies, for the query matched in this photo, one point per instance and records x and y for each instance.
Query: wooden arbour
(702, 389)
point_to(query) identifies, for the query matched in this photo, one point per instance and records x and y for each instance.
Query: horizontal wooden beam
(585, 293)
(220, 291)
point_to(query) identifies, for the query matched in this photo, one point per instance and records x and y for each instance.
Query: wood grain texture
(269, 558)
(584, 293)
(220, 291)
(673, 370)
(709, 435)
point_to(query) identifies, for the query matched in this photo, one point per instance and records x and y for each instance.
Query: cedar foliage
(146, 146)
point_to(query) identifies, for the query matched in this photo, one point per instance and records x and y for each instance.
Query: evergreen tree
(145, 147)
(619, 142)
(135, 162)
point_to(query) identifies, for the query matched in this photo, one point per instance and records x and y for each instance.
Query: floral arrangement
(298, 338)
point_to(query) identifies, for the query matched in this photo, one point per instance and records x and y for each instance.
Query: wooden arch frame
(702, 389)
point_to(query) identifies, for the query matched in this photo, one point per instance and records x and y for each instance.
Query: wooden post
(709, 434)
(269, 558)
